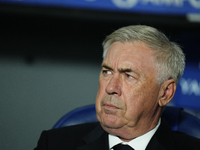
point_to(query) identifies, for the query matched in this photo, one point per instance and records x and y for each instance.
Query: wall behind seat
(34, 97)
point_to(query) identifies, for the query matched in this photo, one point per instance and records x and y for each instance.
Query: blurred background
(50, 57)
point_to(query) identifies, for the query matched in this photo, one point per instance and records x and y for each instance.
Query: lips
(110, 106)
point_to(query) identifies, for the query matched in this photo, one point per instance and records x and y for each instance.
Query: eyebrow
(106, 66)
(126, 70)
(122, 70)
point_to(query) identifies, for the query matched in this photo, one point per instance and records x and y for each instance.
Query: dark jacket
(91, 136)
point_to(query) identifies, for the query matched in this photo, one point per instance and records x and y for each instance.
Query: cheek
(142, 99)
(135, 100)
(98, 102)
(99, 97)
(133, 106)
(102, 88)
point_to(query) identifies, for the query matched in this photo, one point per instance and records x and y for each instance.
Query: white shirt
(139, 143)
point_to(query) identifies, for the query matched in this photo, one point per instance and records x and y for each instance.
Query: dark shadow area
(76, 34)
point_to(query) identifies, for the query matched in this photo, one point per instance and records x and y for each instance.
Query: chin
(113, 129)
(111, 122)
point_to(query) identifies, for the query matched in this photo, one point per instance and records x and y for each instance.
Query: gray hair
(170, 59)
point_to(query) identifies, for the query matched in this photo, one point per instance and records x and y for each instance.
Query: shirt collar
(139, 143)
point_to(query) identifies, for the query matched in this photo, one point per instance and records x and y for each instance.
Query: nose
(114, 86)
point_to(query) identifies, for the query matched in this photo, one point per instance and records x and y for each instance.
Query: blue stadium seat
(177, 118)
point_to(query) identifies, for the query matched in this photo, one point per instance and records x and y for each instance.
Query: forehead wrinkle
(128, 66)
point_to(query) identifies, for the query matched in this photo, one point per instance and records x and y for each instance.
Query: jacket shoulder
(185, 141)
(80, 129)
(65, 137)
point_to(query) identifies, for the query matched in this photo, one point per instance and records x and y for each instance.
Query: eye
(128, 76)
(106, 72)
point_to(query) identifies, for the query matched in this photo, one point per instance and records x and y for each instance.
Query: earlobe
(167, 92)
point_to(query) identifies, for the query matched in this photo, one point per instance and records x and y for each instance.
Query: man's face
(128, 91)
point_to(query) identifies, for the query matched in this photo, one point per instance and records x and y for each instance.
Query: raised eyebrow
(106, 66)
(128, 70)
(122, 70)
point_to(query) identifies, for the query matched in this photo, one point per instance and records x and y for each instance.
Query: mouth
(110, 106)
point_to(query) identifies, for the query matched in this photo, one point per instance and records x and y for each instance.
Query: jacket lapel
(163, 139)
(95, 140)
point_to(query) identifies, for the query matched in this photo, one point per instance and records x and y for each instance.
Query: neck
(128, 133)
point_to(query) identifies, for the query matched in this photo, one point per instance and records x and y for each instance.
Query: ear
(167, 92)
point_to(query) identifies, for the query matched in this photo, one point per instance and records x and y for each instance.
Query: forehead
(132, 55)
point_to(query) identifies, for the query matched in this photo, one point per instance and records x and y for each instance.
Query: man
(139, 76)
